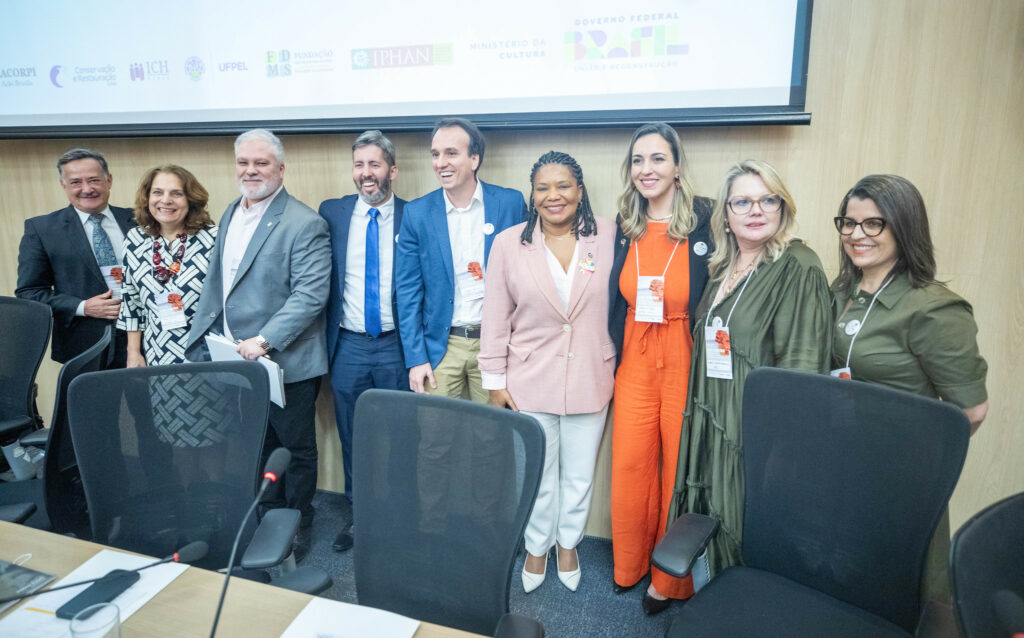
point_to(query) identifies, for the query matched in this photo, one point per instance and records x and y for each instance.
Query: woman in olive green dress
(896, 325)
(767, 305)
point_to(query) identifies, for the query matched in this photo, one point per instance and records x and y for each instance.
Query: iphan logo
(414, 55)
(194, 68)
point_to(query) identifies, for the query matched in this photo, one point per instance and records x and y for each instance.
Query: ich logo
(154, 69)
(194, 68)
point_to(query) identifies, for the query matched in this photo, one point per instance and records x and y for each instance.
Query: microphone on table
(276, 464)
(1009, 610)
(188, 554)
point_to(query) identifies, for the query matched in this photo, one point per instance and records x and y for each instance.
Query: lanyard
(865, 319)
(734, 304)
(664, 272)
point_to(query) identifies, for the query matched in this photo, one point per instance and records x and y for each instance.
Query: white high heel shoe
(571, 580)
(532, 581)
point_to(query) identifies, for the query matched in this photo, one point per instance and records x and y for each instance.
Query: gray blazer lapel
(269, 221)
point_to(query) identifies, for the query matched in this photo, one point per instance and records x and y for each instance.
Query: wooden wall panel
(931, 90)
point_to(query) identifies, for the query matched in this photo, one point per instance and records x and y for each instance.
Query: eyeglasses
(872, 226)
(743, 205)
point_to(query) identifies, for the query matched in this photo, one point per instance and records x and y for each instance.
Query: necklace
(659, 219)
(557, 237)
(736, 274)
(163, 273)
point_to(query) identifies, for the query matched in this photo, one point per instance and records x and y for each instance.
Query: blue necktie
(371, 299)
(101, 246)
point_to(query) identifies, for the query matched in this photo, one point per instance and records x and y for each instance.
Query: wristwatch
(263, 343)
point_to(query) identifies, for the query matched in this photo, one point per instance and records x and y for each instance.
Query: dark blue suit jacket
(338, 213)
(425, 275)
(617, 305)
(56, 267)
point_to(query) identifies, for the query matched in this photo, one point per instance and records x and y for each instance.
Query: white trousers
(563, 500)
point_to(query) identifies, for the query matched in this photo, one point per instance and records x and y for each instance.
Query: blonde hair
(633, 205)
(727, 250)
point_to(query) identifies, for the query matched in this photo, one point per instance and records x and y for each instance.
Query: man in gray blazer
(268, 283)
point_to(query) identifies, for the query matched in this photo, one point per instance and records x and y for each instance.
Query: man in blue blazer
(363, 348)
(266, 288)
(60, 255)
(442, 259)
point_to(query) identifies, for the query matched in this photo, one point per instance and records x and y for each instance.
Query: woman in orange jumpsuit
(661, 250)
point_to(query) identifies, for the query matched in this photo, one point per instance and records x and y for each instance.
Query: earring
(727, 231)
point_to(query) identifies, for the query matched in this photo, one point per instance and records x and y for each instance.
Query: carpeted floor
(593, 611)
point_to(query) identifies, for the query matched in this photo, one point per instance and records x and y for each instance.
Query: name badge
(841, 373)
(471, 281)
(171, 309)
(650, 299)
(718, 350)
(113, 276)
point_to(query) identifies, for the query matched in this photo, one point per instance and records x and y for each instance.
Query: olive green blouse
(922, 340)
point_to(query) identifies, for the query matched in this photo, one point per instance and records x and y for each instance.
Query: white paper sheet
(325, 618)
(224, 349)
(36, 618)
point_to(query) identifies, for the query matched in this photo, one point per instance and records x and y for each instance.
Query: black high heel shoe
(622, 589)
(653, 605)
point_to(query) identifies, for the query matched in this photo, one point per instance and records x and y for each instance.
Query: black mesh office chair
(987, 567)
(24, 332)
(58, 495)
(171, 454)
(845, 485)
(442, 492)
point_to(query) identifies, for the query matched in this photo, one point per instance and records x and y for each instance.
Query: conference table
(187, 605)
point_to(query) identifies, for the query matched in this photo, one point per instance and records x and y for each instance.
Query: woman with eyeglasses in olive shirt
(895, 324)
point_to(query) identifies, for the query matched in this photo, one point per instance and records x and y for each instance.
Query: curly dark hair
(585, 224)
(198, 216)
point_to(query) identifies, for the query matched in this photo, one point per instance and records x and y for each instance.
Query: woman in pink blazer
(545, 350)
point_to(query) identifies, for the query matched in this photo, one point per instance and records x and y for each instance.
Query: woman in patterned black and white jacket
(166, 258)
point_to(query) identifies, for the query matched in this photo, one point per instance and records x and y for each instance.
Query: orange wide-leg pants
(650, 396)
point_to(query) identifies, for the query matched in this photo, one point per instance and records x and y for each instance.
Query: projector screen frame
(793, 114)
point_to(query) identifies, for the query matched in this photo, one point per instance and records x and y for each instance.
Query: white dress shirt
(240, 231)
(466, 234)
(353, 314)
(109, 226)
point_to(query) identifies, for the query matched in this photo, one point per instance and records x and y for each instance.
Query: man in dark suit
(266, 289)
(363, 348)
(64, 256)
(442, 259)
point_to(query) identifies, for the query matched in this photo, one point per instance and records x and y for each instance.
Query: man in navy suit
(363, 347)
(442, 260)
(62, 258)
